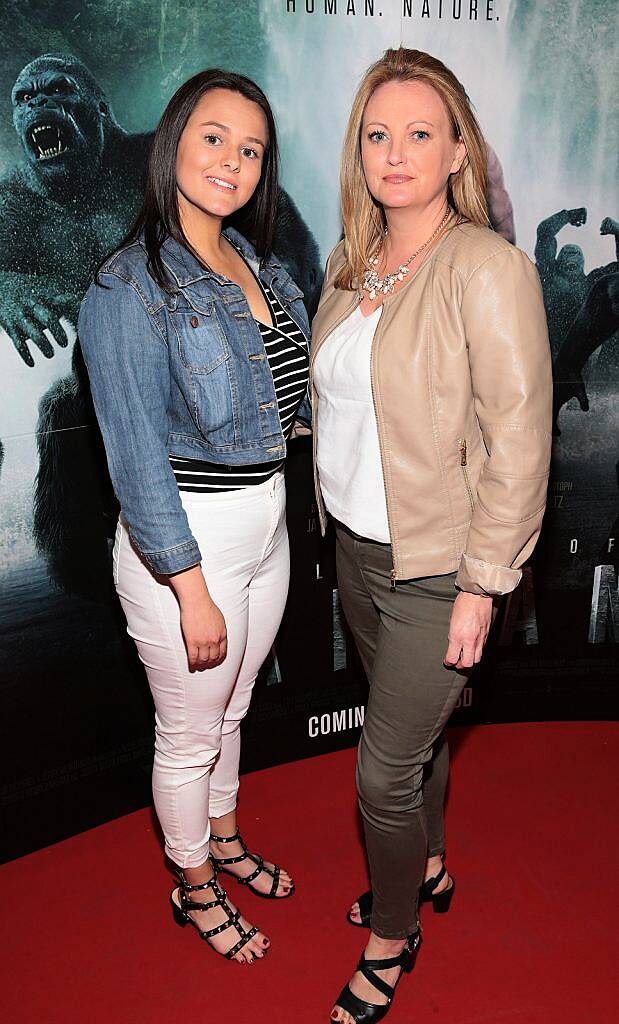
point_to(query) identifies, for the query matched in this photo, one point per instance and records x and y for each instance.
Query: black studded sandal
(441, 901)
(182, 908)
(223, 864)
(369, 1013)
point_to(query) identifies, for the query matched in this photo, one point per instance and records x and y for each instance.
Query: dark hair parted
(159, 216)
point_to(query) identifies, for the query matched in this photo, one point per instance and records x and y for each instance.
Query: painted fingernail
(265, 942)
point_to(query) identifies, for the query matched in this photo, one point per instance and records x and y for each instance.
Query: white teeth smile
(223, 184)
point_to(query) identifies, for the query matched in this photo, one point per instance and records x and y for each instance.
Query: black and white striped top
(287, 354)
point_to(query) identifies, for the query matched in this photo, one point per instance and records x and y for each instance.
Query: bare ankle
(394, 946)
(199, 875)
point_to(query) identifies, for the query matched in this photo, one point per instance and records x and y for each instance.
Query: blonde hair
(362, 216)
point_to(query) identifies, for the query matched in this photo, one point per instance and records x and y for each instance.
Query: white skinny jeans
(245, 560)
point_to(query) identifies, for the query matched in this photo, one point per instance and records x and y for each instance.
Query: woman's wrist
(190, 586)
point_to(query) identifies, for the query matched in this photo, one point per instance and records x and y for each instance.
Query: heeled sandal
(181, 911)
(370, 1013)
(222, 864)
(441, 901)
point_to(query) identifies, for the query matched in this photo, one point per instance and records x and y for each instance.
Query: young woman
(431, 408)
(196, 346)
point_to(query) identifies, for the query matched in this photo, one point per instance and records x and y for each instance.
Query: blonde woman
(432, 417)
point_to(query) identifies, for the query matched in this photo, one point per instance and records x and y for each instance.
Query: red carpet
(530, 937)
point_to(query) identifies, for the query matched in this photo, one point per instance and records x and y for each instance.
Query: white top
(348, 454)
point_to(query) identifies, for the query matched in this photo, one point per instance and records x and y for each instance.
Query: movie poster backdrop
(81, 89)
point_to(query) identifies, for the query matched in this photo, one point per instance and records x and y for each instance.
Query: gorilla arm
(609, 226)
(34, 292)
(30, 305)
(546, 243)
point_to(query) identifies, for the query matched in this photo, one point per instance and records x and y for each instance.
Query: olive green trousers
(403, 758)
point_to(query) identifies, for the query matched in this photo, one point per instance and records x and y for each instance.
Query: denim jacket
(181, 374)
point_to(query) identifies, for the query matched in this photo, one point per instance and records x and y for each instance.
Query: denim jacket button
(194, 321)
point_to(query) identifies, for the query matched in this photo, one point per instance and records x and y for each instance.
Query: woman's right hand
(204, 632)
(202, 623)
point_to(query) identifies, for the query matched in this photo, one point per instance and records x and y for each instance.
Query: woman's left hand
(468, 630)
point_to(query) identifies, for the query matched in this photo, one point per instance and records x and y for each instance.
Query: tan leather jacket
(462, 387)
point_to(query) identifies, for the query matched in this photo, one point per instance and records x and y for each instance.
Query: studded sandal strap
(187, 904)
(186, 887)
(228, 839)
(248, 879)
(246, 936)
(275, 872)
(232, 917)
(232, 922)
(223, 862)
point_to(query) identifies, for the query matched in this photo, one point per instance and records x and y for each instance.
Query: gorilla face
(58, 118)
(571, 262)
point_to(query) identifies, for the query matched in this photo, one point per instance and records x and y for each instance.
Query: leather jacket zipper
(463, 463)
(382, 456)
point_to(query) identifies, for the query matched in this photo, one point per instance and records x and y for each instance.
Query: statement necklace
(373, 284)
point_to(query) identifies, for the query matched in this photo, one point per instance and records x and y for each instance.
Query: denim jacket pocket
(201, 339)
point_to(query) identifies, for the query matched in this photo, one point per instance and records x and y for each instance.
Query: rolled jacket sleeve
(127, 360)
(509, 355)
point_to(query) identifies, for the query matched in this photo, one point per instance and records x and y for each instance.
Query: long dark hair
(159, 216)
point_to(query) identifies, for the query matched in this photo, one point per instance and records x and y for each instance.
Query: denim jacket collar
(186, 269)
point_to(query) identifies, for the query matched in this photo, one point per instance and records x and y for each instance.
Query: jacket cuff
(486, 579)
(175, 559)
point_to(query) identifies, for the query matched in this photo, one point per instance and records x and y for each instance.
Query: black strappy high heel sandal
(181, 910)
(365, 911)
(222, 864)
(370, 1013)
(441, 901)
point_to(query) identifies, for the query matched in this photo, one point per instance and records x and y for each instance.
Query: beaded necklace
(373, 284)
